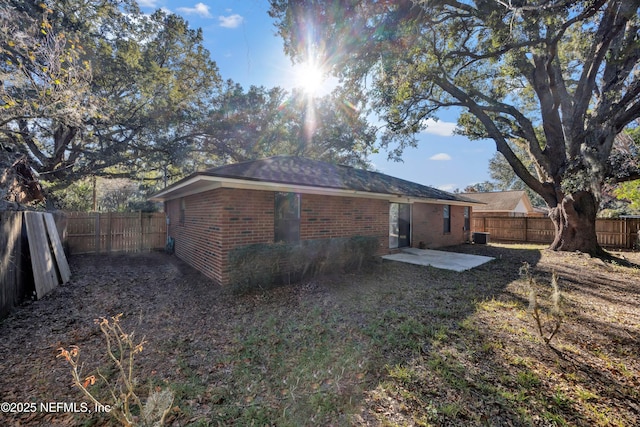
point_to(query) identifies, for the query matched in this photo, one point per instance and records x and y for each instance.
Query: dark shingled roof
(303, 171)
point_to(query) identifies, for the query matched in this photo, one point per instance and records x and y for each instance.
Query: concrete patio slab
(439, 259)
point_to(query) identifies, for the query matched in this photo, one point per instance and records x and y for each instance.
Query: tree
(264, 122)
(158, 89)
(45, 85)
(480, 187)
(559, 77)
(624, 157)
(244, 125)
(505, 179)
(629, 191)
(627, 157)
(98, 88)
(336, 130)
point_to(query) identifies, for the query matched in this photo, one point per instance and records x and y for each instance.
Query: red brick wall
(428, 226)
(323, 217)
(199, 239)
(248, 218)
(217, 221)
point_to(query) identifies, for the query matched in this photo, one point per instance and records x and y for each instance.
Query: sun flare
(309, 77)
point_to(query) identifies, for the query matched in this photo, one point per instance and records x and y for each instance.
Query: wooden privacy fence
(614, 233)
(32, 261)
(12, 261)
(115, 232)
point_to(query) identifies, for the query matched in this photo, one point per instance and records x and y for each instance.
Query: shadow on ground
(392, 344)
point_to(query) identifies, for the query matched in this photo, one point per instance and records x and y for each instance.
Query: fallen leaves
(199, 339)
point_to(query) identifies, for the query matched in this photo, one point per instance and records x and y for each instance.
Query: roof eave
(201, 182)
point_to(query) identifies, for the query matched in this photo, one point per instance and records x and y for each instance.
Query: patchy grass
(394, 345)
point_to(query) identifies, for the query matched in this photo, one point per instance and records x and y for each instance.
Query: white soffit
(200, 183)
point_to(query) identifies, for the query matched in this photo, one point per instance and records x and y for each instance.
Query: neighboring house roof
(501, 201)
(290, 173)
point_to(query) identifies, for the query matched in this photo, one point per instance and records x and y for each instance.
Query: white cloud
(448, 187)
(439, 127)
(148, 3)
(231, 21)
(199, 9)
(440, 156)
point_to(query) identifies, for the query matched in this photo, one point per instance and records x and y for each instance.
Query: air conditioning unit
(480, 238)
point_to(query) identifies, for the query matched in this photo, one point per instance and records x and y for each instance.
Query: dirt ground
(191, 326)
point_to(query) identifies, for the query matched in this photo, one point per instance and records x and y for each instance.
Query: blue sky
(242, 40)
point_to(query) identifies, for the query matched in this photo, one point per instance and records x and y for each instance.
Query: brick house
(293, 199)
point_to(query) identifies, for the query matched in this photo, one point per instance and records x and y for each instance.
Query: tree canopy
(94, 85)
(559, 78)
(101, 89)
(264, 122)
(627, 152)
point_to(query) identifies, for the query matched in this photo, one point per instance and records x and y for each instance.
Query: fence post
(526, 229)
(108, 236)
(625, 234)
(141, 246)
(97, 231)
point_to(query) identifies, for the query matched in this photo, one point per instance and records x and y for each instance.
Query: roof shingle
(303, 171)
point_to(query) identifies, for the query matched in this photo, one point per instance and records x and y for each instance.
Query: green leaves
(261, 122)
(513, 68)
(120, 79)
(562, 79)
(629, 191)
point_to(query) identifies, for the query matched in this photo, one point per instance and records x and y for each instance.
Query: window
(467, 218)
(287, 217)
(447, 218)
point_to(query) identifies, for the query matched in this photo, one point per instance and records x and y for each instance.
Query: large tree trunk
(574, 219)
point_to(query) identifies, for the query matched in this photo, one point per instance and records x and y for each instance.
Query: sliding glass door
(399, 225)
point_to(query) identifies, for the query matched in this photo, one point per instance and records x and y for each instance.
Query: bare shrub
(123, 401)
(554, 315)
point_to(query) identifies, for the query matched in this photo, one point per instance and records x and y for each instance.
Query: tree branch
(606, 32)
(25, 135)
(501, 144)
